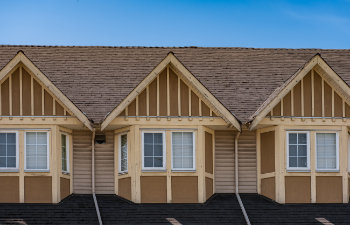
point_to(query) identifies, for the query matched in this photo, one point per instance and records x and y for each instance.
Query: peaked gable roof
(97, 79)
(21, 58)
(171, 59)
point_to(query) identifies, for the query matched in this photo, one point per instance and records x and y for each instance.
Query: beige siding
(82, 162)
(224, 162)
(104, 166)
(247, 162)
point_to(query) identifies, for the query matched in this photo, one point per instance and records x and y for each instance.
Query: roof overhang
(176, 64)
(22, 58)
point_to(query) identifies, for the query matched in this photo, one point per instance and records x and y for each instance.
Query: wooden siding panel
(5, 98)
(64, 187)
(153, 189)
(208, 187)
(298, 189)
(184, 189)
(15, 93)
(9, 186)
(307, 95)
(26, 93)
(338, 105)
(347, 110)
(327, 100)
(184, 99)
(277, 110)
(37, 189)
(132, 108)
(194, 104)
(297, 99)
(329, 189)
(267, 152)
(82, 162)
(268, 187)
(104, 166)
(173, 86)
(142, 103)
(317, 95)
(124, 188)
(48, 104)
(153, 98)
(287, 102)
(208, 152)
(37, 98)
(205, 110)
(247, 162)
(224, 162)
(163, 93)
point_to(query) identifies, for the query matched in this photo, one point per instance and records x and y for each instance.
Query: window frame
(164, 151)
(47, 150)
(193, 153)
(299, 169)
(12, 169)
(67, 153)
(120, 153)
(336, 151)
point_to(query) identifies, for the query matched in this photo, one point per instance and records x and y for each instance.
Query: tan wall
(298, 189)
(82, 162)
(208, 153)
(184, 189)
(178, 91)
(224, 162)
(268, 188)
(104, 166)
(49, 106)
(153, 189)
(267, 152)
(64, 187)
(37, 189)
(329, 189)
(9, 189)
(247, 162)
(329, 109)
(124, 188)
(208, 187)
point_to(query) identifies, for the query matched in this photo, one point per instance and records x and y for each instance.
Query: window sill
(36, 171)
(327, 171)
(65, 173)
(298, 171)
(123, 173)
(9, 170)
(154, 170)
(183, 171)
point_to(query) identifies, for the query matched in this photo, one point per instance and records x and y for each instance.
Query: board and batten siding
(225, 162)
(104, 166)
(82, 162)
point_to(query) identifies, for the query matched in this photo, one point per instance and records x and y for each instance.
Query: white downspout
(236, 181)
(93, 177)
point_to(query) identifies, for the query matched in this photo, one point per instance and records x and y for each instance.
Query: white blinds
(182, 150)
(326, 150)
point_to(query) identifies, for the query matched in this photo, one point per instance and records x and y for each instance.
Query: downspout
(93, 177)
(236, 181)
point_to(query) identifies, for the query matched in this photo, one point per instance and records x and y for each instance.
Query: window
(298, 150)
(327, 151)
(37, 151)
(8, 151)
(153, 150)
(183, 153)
(123, 153)
(65, 153)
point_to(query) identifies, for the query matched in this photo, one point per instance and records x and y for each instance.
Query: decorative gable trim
(22, 58)
(189, 77)
(320, 66)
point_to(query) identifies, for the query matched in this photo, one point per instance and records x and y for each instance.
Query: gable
(312, 96)
(22, 94)
(168, 96)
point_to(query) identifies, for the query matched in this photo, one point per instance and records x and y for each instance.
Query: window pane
(41, 138)
(31, 162)
(158, 161)
(148, 150)
(177, 150)
(123, 152)
(158, 138)
(11, 162)
(302, 138)
(182, 147)
(148, 162)
(2, 138)
(292, 161)
(31, 150)
(302, 161)
(158, 150)
(293, 150)
(30, 138)
(187, 138)
(302, 150)
(148, 138)
(41, 162)
(326, 150)
(2, 150)
(177, 162)
(2, 161)
(41, 150)
(187, 162)
(292, 138)
(11, 138)
(187, 150)
(177, 138)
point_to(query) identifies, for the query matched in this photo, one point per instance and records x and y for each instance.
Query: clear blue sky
(268, 24)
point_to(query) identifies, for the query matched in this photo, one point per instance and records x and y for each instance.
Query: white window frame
(337, 151)
(48, 151)
(299, 169)
(164, 151)
(67, 152)
(12, 169)
(120, 153)
(194, 152)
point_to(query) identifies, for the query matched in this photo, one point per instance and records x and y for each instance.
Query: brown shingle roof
(97, 79)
